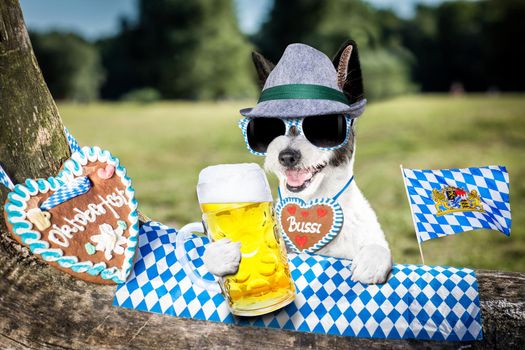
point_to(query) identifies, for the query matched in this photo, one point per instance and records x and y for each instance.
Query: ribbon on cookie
(77, 187)
(73, 144)
(6, 180)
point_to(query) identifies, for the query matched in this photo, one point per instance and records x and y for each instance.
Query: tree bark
(43, 308)
(32, 141)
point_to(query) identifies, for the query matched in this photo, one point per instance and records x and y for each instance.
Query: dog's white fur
(361, 238)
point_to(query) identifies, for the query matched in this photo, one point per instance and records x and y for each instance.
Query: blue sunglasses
(327, 132)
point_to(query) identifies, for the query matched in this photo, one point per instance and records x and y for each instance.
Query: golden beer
(263, 282)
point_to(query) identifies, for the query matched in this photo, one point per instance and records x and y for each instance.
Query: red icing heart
(321, 212)
(301, 241)
(107, 172)
(304, 213)
(291, 210)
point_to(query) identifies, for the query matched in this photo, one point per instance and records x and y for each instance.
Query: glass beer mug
(236, 203)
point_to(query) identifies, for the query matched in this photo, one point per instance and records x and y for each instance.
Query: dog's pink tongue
(296, 178)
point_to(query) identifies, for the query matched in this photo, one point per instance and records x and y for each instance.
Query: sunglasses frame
(298, 123)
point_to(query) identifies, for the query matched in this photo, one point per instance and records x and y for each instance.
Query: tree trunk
(43, 308)
(32, 141)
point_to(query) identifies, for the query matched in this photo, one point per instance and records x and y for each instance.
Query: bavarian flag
(449, 201)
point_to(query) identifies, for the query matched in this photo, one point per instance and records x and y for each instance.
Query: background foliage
(184, 49)
(71, 65)
(194, 49)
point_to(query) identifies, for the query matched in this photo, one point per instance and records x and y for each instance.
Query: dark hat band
(302, 92)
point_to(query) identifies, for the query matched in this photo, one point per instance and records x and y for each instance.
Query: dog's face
(303, 168)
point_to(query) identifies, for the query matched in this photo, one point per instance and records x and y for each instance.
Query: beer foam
(231, 183)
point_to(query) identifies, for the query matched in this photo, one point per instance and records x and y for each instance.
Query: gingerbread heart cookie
(83, 221)
(309, 226)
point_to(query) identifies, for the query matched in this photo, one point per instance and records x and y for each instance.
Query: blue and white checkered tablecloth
(422, 302)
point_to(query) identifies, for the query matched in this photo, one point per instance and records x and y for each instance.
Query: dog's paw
(372, 264)
(222, 257)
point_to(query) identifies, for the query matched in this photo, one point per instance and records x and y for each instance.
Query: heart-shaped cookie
(309, 226)
(83, 221)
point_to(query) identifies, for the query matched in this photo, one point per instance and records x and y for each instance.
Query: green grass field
(164, 146)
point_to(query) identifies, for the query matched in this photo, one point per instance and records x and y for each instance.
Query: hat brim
(297, 108)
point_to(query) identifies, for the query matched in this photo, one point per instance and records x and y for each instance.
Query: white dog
(308, 172)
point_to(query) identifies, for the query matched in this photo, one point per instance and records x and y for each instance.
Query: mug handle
(183, 234)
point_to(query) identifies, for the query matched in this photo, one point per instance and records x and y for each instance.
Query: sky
(97, 18)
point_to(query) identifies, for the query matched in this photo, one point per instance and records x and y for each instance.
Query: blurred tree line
(72, 67)
(195, 50)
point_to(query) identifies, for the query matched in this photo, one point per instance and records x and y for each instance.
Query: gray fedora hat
(305, 83)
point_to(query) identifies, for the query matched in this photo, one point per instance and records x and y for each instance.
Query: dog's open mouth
(299, 179)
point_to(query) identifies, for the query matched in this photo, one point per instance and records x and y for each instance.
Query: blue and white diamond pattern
(492, 184)
(6, 180)
(75, 188)
(422, 302)
(73, 144)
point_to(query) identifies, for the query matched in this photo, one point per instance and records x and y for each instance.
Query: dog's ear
(263, 66)
(349, 77)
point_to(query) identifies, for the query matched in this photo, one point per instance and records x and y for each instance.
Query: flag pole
(412, 214)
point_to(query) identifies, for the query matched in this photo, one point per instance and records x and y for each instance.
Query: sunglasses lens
(262, 131)
(325, 130)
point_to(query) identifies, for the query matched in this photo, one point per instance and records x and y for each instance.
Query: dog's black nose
(289, 157)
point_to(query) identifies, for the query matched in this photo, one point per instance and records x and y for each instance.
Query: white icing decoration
(303, 227)
(109, 241)
(61, 235)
